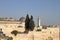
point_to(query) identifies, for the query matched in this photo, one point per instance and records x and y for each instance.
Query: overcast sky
(47, 10)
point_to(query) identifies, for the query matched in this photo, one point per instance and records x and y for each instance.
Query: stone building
(7, 25)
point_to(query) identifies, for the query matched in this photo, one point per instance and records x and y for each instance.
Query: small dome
(22, 19)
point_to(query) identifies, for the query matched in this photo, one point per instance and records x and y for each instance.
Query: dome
(22, 19)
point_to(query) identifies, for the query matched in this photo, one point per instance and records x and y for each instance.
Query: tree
(31, 24)
(14, 32)
(10, 38)
(27, 23)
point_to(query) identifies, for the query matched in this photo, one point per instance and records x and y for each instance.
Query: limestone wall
(32, 35)
(42, 35)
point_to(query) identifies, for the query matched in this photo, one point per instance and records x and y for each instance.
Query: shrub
(14, 32)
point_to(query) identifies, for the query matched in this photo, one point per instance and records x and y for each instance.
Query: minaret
(39, 27)
(38, 22)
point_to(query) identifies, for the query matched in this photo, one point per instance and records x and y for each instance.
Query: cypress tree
(31, 24)
(27, 23)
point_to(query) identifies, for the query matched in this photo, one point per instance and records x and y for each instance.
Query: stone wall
(34, 35)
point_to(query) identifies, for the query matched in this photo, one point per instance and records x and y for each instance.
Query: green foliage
(10, 38)
(14, 32)
(29, 23)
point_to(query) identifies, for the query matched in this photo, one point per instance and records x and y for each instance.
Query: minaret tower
(38, 22)
(39, 27)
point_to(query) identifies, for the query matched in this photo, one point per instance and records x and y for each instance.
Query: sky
(47, 10)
